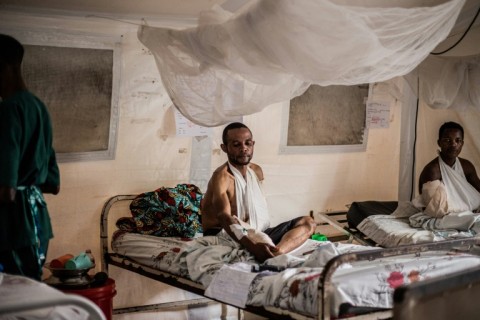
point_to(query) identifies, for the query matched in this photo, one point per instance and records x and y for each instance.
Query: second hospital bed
(22, 298)
(332, 281)
(384, 224)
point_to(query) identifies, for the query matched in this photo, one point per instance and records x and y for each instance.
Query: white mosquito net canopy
(238, 63)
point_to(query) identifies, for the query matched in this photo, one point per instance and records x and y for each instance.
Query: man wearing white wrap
(449, 187)
(450, 141)
(235, 203)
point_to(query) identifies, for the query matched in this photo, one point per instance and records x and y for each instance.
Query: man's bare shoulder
(465, 163)
(432, 166)
(223, 169)
(467, 166)
(430, 172)
(222, 173)
(258, 170)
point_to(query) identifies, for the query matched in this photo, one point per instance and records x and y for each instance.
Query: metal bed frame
(325, 289)
(338, 220)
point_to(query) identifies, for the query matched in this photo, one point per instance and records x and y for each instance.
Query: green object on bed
(319, 237)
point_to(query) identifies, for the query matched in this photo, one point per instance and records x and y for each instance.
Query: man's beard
(233, 160)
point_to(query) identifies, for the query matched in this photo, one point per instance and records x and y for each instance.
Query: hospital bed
(24, 298)
(378, 223)
(303, 292)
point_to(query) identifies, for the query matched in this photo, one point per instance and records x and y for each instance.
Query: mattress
(390, 231)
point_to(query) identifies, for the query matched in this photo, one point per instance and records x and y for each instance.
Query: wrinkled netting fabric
(451, 78)
(272, 50)
(450, 82)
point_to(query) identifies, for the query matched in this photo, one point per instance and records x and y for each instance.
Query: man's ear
(438, 144)
(224, 147)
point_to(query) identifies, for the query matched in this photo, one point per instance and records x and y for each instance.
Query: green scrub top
(27, 158)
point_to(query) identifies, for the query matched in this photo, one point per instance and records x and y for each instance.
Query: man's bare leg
(303, 229)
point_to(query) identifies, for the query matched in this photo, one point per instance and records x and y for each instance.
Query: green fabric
(23, 261)
(27, 159)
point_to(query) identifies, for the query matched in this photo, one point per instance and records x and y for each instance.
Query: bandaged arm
(226, 219)
(238, 231)
(261, 250)
(242, 229)
(235, 230)
(228, 222)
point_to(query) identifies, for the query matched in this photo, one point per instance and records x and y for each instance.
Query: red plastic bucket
(101, 296)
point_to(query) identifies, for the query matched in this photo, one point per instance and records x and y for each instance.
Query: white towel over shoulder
(251, 201)
(448, 203)
(461, 195)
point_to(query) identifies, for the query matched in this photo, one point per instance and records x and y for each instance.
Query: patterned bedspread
(295, 288)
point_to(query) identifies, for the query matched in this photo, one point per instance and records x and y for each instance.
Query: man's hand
(261, 251)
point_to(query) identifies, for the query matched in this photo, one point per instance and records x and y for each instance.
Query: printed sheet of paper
(186, 128)
(231, 283)
(378, 114)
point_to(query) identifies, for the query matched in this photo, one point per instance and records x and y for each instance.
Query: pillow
(360, 210)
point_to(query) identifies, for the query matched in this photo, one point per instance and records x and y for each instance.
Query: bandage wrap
(238, 231)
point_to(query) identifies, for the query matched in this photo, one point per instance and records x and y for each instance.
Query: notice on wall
(186, 128)
(378, 114)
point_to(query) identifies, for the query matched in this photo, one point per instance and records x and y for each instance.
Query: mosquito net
(269, 51)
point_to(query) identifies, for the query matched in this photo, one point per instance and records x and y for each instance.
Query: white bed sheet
(367, 283)
(389, 231)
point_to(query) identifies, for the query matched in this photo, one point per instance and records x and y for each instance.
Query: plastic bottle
(82, 261)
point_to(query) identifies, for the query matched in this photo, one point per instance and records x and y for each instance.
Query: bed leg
(241, 314)
(224, 315)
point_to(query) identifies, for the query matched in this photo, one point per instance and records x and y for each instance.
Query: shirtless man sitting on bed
(450, 141)
(454, 172)
(234, 198)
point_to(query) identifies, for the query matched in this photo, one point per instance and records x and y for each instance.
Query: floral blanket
(165, 212)
(295, 288)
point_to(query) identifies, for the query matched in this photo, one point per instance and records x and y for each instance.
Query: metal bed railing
(338, 221)
(326, 288)
(108, 258)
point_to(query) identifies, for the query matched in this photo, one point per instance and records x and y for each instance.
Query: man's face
(239, 146)
(451, 143)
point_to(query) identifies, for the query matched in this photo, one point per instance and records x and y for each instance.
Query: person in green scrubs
(28, 168)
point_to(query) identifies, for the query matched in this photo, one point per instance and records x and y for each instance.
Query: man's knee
(309, 223)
